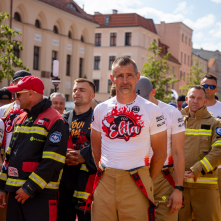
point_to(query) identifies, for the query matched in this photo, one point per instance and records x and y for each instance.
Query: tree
(195, 75)
(156, 69)
(7, 58)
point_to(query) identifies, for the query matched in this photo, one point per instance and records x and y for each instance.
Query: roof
(164, 50)
(125, 20)
(62, 4)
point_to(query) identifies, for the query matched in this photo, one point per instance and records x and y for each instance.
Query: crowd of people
(132, 157)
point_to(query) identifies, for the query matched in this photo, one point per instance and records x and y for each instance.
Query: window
(16, 51)
(186, 39)
(81, 68)
(181, 75)
(111, 61)
(184, 58)
(106, 20)
(182, 37)
(109, 84)
(37, 24)
(173, 70)
(97, 60)
(189, 42)
(113, 39)
(68, 65)
(188, 60)
(55, 29)
(36, 58)
(172, 85)
(54, 57)
(67, 97)
(181, 57)
(71, 6)
(69, 34)
(98, 39)
(184, 76)
(128, 39)
(17, 17)
(96, 82)
(82, 38)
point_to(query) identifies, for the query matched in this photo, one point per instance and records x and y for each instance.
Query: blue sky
(203, 16)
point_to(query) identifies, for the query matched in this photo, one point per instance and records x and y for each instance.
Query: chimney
(97, 13)
(114, 11)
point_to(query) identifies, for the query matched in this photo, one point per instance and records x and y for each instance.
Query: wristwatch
(181, 188)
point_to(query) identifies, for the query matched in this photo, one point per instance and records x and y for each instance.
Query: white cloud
(201, 23)
(216, 32)
(217, 1)
(183, 8)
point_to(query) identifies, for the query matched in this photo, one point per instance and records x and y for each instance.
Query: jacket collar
(200, 114)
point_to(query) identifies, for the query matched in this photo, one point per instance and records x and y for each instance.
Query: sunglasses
(212, 87)
(20, 92)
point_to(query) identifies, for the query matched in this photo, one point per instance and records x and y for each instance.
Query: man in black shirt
(79, 170)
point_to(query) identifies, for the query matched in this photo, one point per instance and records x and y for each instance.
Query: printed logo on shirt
(76, 128)
(12, 171)
(122, 123)
(40, 122)
(180, 120)
(55, 137)
(135, 109)
(218, 130)
(159, 118)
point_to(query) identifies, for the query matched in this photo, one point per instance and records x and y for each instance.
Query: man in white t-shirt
(168, 185)
(209, 82)
(123, 130)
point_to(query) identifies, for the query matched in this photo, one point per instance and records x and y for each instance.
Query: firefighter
(79, 170)
(35, 157)
(202, 156)
(122, 129)
(168, 185)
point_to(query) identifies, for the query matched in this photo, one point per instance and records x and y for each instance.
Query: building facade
(178, 37)
(53, 30)
(119, 35)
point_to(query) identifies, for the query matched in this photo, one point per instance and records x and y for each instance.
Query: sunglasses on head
(212, 87)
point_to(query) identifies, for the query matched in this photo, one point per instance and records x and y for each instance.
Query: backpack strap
(8, 109)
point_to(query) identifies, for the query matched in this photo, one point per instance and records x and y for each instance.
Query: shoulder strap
(8, 109)
(70, 117)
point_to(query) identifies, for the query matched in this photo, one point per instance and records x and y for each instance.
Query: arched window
(82, 38)
(37, 24)
(55, 29)
(70, 5)
(17, 17)
(69, 34)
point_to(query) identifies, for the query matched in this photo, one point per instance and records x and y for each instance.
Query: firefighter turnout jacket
(202, 148)
(36, 154)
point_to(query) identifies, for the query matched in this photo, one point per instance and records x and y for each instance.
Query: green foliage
(195, 77)
(7, 58)
(156, 69)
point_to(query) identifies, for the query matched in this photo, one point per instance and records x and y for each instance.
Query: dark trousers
(42, 207)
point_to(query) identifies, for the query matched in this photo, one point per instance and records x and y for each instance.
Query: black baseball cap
(20, 74)
(5, 94)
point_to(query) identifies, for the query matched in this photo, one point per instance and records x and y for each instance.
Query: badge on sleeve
(218, 130)
(55, 137)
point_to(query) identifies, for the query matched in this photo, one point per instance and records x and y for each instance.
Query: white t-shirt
(125, 131)
(174, 123)
(3, 109)
(2, 129)
(216, 110)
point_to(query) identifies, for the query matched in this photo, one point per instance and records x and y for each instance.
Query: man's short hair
(197, 87)
(209, 76)
(113, 90)
(181, 98)
(55, 94)
(81, 80)
(123, 61)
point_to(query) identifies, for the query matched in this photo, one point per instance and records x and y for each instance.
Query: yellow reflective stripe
(206, 164)
(15, 182)
(84, 167)
(3, 176)
(8, 151)
(54, 156)
(198, 132)
(217, 143)
(34, 129)
(37, 179)
(203, 180)
(82, 195)
(55, 185)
